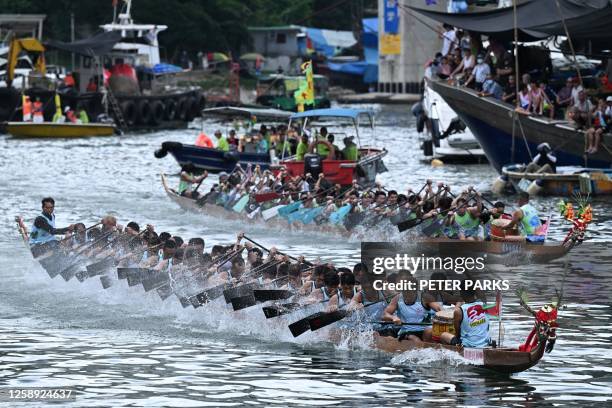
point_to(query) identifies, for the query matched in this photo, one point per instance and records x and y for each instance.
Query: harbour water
(122, 347)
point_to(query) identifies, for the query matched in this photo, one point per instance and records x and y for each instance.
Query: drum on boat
(442, 322)
(498, 233)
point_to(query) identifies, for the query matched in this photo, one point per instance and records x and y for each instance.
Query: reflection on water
(122, 347)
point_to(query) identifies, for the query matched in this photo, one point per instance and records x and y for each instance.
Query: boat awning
(338, 113)
(585, 19)
(259, 113)
(99, 44)
(328, 41)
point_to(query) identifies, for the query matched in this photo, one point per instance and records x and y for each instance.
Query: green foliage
(193, 25)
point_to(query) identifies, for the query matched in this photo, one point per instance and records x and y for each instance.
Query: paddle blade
(69, 272)
(270, 212)
(154, 282)
(242, 302)
(279, 310)
(164, 292)
(326, 319)
(81, 276)
(433, 228)
(211, 294)
(303, 325)
(194, 302)
(100, 267)
(238, 291)
(122, 273)
(184, 301)
(263, 295)
(406, 225)
(135, 276)
(106, 282)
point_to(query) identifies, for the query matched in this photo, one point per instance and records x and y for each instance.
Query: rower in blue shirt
(471, 323)
(44, 230)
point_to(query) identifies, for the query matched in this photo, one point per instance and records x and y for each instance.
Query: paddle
(254, 296)
(99, 267)
(159, 279)
(263, 197)
(279, 310)
(326, 319)
(303, 325)
(408, 224)
(242, 302)
(278, 252)
(264, 295)
(106, 281)
(68, 272)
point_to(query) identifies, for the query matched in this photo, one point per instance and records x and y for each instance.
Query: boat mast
(516, 79)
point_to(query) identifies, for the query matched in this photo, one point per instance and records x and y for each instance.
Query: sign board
(391, 17)
(390, 44)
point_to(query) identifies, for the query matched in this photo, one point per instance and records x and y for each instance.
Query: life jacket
(530, 221)
(27, 109)
(38, 109)
(204, 141)
(474, 325)
(326, 295)
(39, 236)
(413, 313)
(69, 80)
(184, 185)
(375, 311)
(467, 223)
(71, 116)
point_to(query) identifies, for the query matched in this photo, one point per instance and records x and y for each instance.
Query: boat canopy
(585, 19)
(100, 44)
(334, 112)
(259, 113)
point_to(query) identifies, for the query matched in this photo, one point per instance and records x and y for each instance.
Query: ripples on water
(123, 347)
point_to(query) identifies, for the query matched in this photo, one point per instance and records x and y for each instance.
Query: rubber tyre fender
(160, 153)
(169, 110)
(128, 109)
(201, 103)
(171, 146)
(157, 112)
(181, 109)
(420, 124)
(144, 112)
(192, 108)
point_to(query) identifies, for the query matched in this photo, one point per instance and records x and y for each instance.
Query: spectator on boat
(302, 148)
(187, 181)
(321, 148)
(505, 68)
(43, 230)
(526, 218)
(83, 118)
(550, 97)
(536, 98)
(350, 151)
(544, 162)
(576, 89)
(204, 141)
(92, 86)
(232, 140)
(248, 144)
(479, 73)
(68, 81)
(38, 111)
(524, 98)
(583, 104)
(58, 117)
(490, 87)
(444, 69)
(608, 111)
(222, 143)
(509, 95)
(471, 323)
(600, 125)
(564, 97)
(261, 144)
(70, 116)
(330, 139)
(467, 63)
(449, 38)
(455, 59)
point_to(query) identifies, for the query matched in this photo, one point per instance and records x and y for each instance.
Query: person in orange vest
(26, 109)
(70, 116)
(204, 141)
(92, 86)
(37, 112)
(69, 81)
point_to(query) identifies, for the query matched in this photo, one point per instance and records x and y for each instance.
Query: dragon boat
(501, 247)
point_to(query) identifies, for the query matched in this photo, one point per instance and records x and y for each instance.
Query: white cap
(609, 99)
(66, 109)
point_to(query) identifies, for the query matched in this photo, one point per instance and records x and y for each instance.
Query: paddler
(188, 179)
(468, 218)
(471, 323)
(345, 292)
(526, 217)
(43, 230)
(410, 306)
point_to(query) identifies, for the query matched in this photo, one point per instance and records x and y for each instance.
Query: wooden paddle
(408, 224)
(278, 252)
(279, 310)
(326, 319)
(68, 272)
(263, 197)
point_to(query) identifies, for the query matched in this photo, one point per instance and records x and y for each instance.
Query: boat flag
(304, 95)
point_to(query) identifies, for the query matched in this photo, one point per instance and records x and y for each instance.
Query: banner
(390, 44)
(391, 17)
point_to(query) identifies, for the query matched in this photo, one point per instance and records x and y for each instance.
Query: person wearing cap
(544, 162)
(70, 116)
(490, 87)
(350, 151)
(479, 73)
(222, 143)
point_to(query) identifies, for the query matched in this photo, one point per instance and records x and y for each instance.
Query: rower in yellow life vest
(526, 217)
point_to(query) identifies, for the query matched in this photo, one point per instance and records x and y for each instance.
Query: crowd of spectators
(490, 71)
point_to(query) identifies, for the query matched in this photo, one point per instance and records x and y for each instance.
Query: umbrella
(216, 57)
(252, 56)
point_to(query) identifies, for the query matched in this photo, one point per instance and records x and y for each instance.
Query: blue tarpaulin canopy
(160, 69)
(327, 42)
(367, 69)
(336, 112)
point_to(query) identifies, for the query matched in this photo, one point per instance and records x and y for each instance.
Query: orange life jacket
(204, 141)
(38, 109)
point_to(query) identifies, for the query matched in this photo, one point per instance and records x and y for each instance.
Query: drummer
(409, 306)
(526, 217)
(471, 323)
(497, 212)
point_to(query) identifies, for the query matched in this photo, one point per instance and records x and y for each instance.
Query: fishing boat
(449, 140)
(214, 160)
(502, 360)
(502, 250)
(59, 130)
(337, 170)
(567, 181)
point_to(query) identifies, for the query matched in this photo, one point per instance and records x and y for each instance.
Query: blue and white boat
(214, 160)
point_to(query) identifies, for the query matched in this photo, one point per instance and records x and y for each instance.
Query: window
(281, 38)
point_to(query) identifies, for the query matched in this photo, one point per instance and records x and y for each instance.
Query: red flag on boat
(495, 310)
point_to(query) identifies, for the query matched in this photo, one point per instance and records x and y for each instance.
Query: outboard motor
(313, 165)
